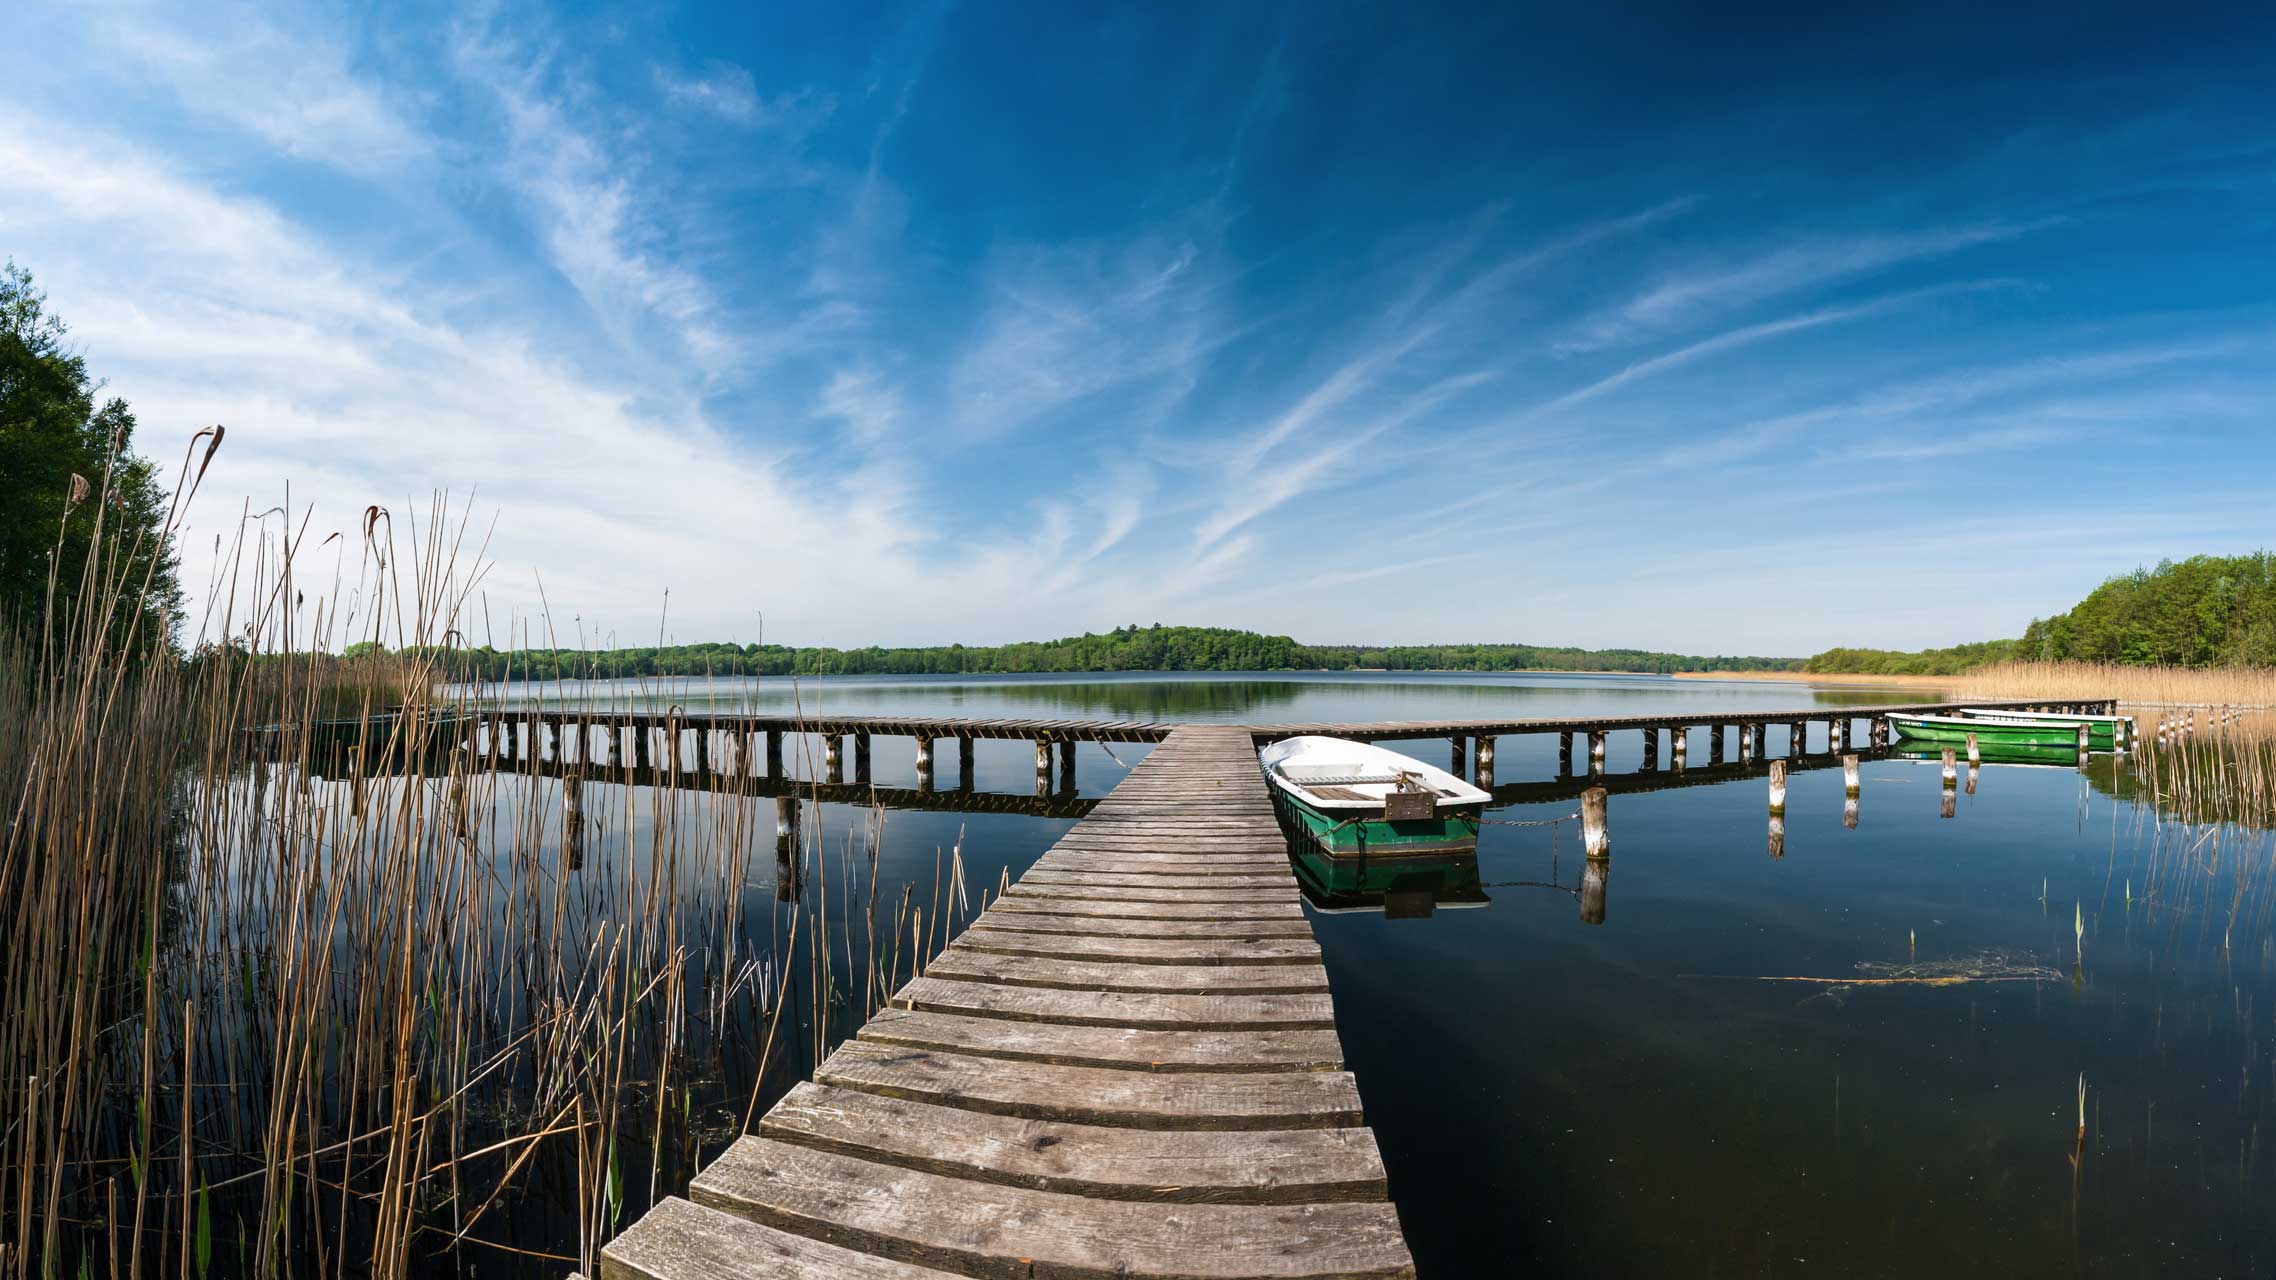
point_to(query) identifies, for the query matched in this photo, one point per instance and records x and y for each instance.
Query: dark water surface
(1648, 1095)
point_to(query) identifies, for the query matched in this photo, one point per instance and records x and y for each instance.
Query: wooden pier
(1126, 1067)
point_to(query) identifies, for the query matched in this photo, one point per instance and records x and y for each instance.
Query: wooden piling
(774, 753)
(1596, 752)
(1485, 755)
(1565, 754)
(640, 746)
(1951, 767)
(573, 823)
(861, 757)
(1951, 777)
(1970, 786)
(1746, 743)
(834, 756)
(1596, 836)
(1777, 840)
(549, 743)
(1067, 765)
(703, 750)
(1651, 749)
(785, 821)
(964, 761)
(1715, 745)
(924, 756)
(1459, 766)
(1975, 754)
(1849, 811)
(1043, 766)
(1778, 786)
(1850, 782)
(1679, 744)
(2085, 745)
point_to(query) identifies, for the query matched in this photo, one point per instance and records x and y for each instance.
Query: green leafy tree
(67, 469)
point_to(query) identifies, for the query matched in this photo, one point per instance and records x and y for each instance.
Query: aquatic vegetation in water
(1989, 965)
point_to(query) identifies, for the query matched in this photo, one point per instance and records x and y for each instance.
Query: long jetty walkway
(1127, 1065)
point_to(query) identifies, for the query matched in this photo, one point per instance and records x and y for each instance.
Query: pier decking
(1126, 1067)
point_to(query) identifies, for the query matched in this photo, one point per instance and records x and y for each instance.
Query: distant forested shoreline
(1132, 648)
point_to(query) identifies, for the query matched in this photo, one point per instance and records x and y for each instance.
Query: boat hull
(2100, 737)
(1454, 829)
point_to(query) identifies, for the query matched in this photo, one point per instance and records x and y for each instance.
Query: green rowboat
(2107, 733)
(1353, 799)
(1992, 729)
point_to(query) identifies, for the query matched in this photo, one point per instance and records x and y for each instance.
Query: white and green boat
(1999, 728)
(2105, 733)
(1353, 799)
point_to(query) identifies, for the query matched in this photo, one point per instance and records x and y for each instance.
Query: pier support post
(703, 750)
(1746, 743)
(1651, 749)
(1715, 745)
(1067, 765)
(964, 761)
(552, 747)
(1459, 768)
(785, 824)
(640, 745)
(774, 753)
(1951, 778)
(1486, 761)
(1975, 753)
(924, 763)
(1594, 873)
(1596, 753)
(1778, 786)
(1880, 731)
(1043, 766)
(1850, 783)
(1837, 736)
(2085, 745)
(1565, 754)
(834, 756)
(1596, 834)
(1679, 744)
(1798, 739)
(861, 757)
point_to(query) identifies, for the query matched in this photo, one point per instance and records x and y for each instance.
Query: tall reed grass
(2134, 686)
(285, 995)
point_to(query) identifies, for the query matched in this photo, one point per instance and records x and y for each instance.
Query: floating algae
(1991, 965)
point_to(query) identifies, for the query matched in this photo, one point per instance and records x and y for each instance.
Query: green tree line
(1131, 648)
(2206, 611)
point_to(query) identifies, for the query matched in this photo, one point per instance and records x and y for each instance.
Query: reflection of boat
(1995, 753)
(1990, 729)
(1353, 799)
(1403, 888)
(2105, 733)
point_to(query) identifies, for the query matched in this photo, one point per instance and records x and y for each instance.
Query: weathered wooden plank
(1290, 1166)
(679, 1240)
(988, 1230)
(1141, 1010)
(1081, 891)
(978, 965)
(1097, 1095)
(1217, 912)
(1088, 946)
(1123, 1047)
(1047, 872)
(1133, 927)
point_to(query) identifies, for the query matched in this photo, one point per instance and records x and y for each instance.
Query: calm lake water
(1700, 1084)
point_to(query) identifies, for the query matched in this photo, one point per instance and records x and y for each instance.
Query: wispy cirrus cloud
(1688, 296)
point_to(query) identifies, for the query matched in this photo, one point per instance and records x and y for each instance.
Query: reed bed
(287, 995)
(2150, 687)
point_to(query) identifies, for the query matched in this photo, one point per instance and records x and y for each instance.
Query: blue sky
(1589, 324)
